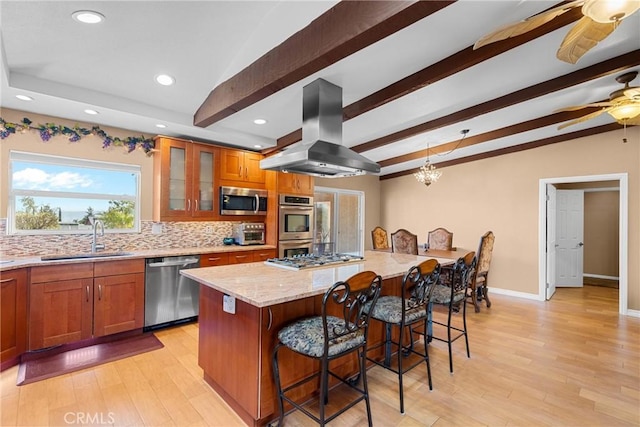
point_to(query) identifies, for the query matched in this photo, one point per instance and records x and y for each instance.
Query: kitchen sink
(84, 255)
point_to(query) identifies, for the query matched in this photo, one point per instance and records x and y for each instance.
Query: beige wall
(89, 147)
(601, 236)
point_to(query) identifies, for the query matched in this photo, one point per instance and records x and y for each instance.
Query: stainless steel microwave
(242, 201)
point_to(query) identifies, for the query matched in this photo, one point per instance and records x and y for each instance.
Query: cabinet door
(263, 255)
(211, 260)
(293, 183)
(231, 165)
(13, 317)
(173, 166)
(118, 303)
(60, 312)
(252, 171)
(203, 186)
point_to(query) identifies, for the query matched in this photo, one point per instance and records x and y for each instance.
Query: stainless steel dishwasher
(170, 297)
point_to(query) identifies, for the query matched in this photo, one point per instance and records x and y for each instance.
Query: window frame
(48, 159)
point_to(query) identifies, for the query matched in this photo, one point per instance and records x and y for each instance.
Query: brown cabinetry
(236, 257)
(67, 304)
(118, 300)
(13, 315)
(244, 166)
(293, 183)
(184, 173)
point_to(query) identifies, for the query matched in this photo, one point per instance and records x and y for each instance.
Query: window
(51, 194)
(339, 215)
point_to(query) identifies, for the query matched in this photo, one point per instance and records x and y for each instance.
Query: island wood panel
(228, 351)
(13, 316)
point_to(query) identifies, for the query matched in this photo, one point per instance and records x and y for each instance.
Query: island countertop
(264, 285)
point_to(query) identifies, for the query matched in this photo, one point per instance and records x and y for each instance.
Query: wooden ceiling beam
(604, 68)
(344, 29)
(455, 63)
(516, 148)
(548, 120)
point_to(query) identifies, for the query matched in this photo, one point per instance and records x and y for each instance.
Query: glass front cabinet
(183, 180)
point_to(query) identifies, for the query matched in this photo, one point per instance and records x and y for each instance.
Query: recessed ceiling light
(161, 126)
(257, 146)
(88, 16)
(24, 98)
(165, 79)
(92, 112)
(259, 121)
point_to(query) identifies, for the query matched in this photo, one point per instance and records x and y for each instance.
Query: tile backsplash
(173, 235)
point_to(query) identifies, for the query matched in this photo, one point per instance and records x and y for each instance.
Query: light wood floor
(572, 361)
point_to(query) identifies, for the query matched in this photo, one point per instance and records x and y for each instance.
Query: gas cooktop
(300, 262)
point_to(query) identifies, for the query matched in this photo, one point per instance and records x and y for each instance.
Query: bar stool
(405, 311)
(451, 292)
(342, 328)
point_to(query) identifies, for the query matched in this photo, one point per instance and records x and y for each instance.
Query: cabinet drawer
(211, 260)
(51, 273)
(263, 255)
(124, 266)
(240, 257)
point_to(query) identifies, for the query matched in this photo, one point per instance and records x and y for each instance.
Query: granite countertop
(10, 263)
(263, 285)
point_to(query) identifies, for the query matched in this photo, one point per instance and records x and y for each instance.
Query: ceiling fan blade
(521, 27)
(583, 36)
(580, 107)
(583, 118)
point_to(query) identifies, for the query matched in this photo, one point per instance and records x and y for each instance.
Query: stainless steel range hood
(320, 152)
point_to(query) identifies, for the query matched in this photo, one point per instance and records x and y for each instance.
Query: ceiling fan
(600, 18)
(623, 104)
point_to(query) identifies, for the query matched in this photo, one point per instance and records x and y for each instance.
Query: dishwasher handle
(174, 263)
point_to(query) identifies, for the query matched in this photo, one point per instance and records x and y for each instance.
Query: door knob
(580, 244)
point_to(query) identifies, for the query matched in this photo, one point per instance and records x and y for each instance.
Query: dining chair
(404, 242)
(405, 311)
(451, 293)
(340, 329)
(379, 238)
(440, 238)
(479, 291)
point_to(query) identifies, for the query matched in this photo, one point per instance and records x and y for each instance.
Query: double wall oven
(295, 225)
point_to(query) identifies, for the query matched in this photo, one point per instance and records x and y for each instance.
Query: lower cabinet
(68, 304)
(13, 315)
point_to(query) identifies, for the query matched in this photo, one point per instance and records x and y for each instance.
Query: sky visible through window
(72, 179)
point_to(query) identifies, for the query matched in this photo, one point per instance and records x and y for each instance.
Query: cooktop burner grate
(300, 262)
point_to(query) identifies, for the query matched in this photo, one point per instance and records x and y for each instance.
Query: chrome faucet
(96, 246)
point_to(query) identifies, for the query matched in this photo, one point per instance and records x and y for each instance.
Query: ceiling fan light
(633, 93)
(625, 112)
(607, 11)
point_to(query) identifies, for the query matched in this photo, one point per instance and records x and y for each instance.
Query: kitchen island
(243, 307)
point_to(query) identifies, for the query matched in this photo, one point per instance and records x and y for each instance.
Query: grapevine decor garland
(74, 134)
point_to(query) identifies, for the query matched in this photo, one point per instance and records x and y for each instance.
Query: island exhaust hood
(321, 153)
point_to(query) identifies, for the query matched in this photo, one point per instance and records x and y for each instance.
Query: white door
(569, 238)
(551, 241)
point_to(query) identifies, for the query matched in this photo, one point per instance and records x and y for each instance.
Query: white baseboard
(511, 293)
(633, 313)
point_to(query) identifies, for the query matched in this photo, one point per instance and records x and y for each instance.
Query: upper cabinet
(293, 183)
(243, 166)
(184, 174)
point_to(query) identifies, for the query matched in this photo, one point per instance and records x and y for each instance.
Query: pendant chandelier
(427, 174)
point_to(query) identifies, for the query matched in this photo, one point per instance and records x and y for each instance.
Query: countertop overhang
(264, 285)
